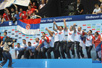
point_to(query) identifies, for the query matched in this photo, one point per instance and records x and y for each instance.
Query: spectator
(42, 4)
(97, 9)
(34, 5)
(100, 10)
(30, 11)
(0, 18)
(22, 14)
(12, 13)
(34, 16)
(79, 8)
(16, 16)
(6, 16)
(100, 2)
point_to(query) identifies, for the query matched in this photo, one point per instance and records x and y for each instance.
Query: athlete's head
(29, 43)
(71, 28)
(60, 27)
(18, 45)
(5, 33)
(24, 41)
(43, 34)
(37, 39)
(96, 34)
(90, 32)
(79, 28)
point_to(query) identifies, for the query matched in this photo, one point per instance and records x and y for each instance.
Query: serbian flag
(29, 26)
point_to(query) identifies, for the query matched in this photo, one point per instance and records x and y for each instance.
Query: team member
(78, 41)
(61, 35)
(30, 51)
(37, 53)
(44, 41)
(51, 48)
(89, 43)
(97, 41)
(20, 50)
(25, 48)
(71, 36)
(56, 44)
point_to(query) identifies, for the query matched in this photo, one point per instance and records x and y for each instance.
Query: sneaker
(59, 58)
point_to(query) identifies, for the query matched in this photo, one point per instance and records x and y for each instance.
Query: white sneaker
(59, 58)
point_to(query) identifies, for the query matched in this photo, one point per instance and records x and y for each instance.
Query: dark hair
(97, 4)
(61, 26)
(29, 42)
(44, 32)
(24, 39)
(5, 32)
(97, 33)
(90, 31)
(38, 38)
(18, 43)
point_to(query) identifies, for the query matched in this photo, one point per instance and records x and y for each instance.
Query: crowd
(19, 13)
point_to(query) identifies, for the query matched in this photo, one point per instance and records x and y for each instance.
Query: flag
(5, 3)
(22, 2)
(29, 26)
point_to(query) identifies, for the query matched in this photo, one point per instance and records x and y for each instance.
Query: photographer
(6, 48)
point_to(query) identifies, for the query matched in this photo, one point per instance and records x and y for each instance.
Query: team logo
(28, 26)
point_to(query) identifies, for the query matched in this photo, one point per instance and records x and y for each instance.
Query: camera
(10, 40)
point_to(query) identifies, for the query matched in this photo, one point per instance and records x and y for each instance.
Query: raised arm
(16, 7)
(38, 16)
(54, 26)
(36, 10)
(74, 28)
(65, 26)
(50, 32)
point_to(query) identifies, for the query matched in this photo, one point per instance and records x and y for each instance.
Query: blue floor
(51, 63)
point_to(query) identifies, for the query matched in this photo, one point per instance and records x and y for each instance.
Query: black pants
(79, 50)
(63, 48)
(88, 50)
(27, 54)
(37, 54)
(69, 46)
(1, 56)
(49, 52)
(56, 50)
(20, 54)
(44, 53)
